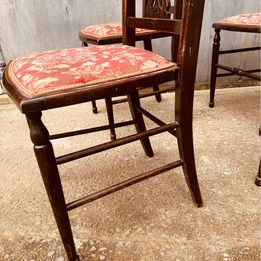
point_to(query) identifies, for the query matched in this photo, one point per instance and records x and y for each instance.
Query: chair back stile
(187, 58)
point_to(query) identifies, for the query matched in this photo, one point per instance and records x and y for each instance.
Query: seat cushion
(243, 22)
(100, 32)
(42, 73)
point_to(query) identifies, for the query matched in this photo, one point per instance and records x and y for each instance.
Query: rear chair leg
(47, 164)
(258, 177)
(215, 56)
(134, 103)
(94, 107)
(109, 108)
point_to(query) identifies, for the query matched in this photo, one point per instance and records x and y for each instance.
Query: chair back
(187, 26)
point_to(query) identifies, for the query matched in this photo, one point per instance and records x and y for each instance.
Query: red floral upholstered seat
(101, 32)
(243, 23)
(45, 73)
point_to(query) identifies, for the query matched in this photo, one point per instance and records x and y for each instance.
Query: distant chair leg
(110, 117)
(148, 47)
(258, 177)
(94, 107)
(215, 56)
(134, 103)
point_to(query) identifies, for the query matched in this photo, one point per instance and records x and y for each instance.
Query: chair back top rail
(161, 24)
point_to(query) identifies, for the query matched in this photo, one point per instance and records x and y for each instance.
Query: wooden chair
(47, 80)
(247, 23)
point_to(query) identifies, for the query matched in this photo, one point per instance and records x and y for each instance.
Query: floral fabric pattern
(98, 31)
(244, 19)
(53, 71)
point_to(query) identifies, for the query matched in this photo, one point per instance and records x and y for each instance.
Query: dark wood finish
(156, 8)
(237, 27)
(229, 74)
(177, 13)
(117, 39)
(110, 115)
(170, 26)
(240, 50)
(90, 130)
(148, 47)
(134, 102)
(94, 107)
(116, 143)
(181, 127)
(122, 185)
(187, 60)
(143, 95)
(46, 161)
(156, 120)
(216, 52)
(258, 177)
(215, 57)
(239, 72)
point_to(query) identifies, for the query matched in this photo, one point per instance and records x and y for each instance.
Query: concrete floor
(155, 220)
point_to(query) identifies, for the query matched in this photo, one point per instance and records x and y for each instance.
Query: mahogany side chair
(47, 80)
(245, 23)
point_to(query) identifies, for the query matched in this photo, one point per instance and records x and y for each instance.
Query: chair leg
(50, 175)
(186, 150)
(94, 107)
(134, 103)
(258, 177)
(109, 108)
(215, 56)
(148, 47)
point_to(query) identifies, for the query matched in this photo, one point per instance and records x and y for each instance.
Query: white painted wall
(32, 25)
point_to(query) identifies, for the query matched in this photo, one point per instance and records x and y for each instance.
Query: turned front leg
(47, 164)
